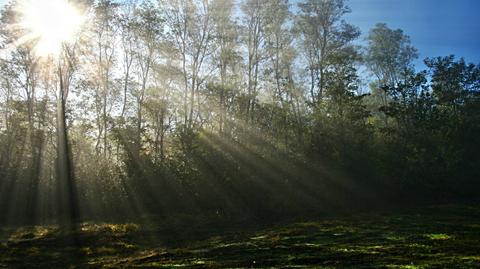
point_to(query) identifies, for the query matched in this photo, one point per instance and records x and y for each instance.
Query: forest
(184, 120)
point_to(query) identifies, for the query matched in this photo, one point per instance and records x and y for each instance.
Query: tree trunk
(68, 207)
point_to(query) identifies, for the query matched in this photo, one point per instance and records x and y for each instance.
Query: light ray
(49, 24)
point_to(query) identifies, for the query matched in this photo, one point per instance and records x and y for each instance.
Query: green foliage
(183, 112)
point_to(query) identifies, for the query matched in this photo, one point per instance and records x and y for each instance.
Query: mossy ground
(434, 237)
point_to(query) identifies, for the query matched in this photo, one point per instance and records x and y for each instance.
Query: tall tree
(126, 21)
(149, 31)
(323, 34)
(226, 57)
(254, 23)
(104, 50)
(389, 56)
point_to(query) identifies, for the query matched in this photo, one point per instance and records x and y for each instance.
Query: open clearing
(433, 237)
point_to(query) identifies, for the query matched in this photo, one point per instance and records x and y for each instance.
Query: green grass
(436, 237)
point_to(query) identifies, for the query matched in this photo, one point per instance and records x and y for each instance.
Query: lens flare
(50, 24)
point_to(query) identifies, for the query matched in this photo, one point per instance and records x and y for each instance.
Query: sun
(50, 24)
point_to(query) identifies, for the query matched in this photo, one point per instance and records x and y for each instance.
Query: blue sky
(436, 27)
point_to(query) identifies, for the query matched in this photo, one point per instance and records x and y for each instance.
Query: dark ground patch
(432, 237)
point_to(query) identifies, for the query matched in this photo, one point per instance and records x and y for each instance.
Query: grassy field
(433, 237)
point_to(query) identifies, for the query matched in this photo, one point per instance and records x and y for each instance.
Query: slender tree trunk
(128, 63)
(105, 122)
(68, 207)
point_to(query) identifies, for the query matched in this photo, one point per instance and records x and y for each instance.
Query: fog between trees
(225, 110)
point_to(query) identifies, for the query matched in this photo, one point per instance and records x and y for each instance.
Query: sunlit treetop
(49, 24)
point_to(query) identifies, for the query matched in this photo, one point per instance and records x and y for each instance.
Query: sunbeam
(236, 134)
(49, 24)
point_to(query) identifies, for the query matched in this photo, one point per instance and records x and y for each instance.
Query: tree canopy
(227, 110)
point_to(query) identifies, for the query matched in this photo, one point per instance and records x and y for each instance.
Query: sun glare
(49, 23)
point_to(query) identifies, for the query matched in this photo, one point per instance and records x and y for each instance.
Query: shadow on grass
(436, 237)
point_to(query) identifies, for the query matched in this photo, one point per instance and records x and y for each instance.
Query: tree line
(229, 110)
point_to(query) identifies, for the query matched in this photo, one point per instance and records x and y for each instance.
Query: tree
(127, 30)
(68, 199)
(254, 21)
(453, 82)
(389, 56)
(226, 57)
(149, 31)
(21, 72)
(104, 51)
(190, 31)
(323, 34)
